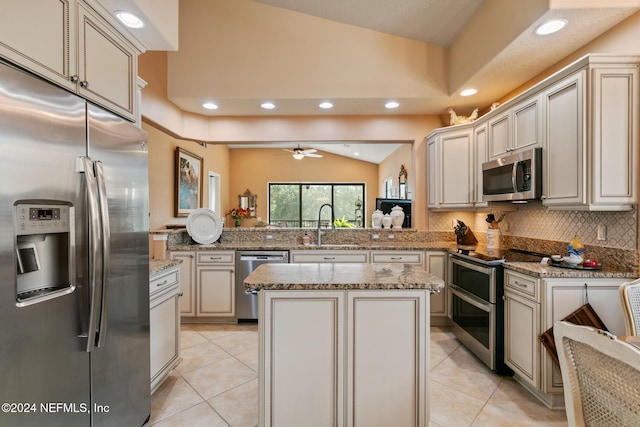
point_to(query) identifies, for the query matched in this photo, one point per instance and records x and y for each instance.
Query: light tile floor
(216, 385)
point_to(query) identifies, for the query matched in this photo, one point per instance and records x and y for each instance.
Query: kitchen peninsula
(363, 329)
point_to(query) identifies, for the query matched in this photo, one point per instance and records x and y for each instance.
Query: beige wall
(162, 160)
(156, 109)
(253, 169)
(390, 167)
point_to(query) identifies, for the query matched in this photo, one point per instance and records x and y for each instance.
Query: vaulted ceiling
(358, 54)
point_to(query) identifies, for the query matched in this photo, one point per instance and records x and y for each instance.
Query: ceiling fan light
(551, 27)
(298, 156)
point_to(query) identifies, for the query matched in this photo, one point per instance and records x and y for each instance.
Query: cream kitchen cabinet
(436, 264)
(329, 256)
(215, 284)
(368, 351)
(451, 169)
(532, 305)
(398, 257)
(517, 128)
(499, 135)
(187, 281)
(591, 141)
(522, 326)
(207, 284)
(164, 324)
(480, 146)
(563, 296)
(75, 48)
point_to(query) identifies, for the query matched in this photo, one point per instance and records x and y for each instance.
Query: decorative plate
(204, 226)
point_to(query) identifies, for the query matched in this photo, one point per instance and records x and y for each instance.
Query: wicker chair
(630, 297)
(601, 376)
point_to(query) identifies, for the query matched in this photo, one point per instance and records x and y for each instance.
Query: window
(297, 204)
(214, 193)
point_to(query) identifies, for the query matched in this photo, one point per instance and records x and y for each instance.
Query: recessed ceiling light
(391, 104)
(210, 106)
(551, 27)
(268, 105)
(468, 92)
(129, 19)
(325, 105)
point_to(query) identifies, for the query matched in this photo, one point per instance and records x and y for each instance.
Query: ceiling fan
(298, 153)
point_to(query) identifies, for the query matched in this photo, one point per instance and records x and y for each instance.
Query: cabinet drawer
(159, 283)
(329, 257)
(216, 258)
(399, 257)
(523, 284)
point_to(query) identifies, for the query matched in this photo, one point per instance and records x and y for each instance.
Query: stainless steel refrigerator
(74, 293)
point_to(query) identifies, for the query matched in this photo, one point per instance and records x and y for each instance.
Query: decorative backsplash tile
(535, 221)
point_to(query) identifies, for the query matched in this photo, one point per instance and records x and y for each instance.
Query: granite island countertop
(341, 276)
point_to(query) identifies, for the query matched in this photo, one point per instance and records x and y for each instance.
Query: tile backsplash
(532, 220)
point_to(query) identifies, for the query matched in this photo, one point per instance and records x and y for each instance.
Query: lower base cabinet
(532, 305)
(436, 264)
(164, 324)
(344, 358)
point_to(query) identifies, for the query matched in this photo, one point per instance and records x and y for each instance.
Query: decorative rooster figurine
(459, 120)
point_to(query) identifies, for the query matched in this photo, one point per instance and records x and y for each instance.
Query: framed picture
(188, 182)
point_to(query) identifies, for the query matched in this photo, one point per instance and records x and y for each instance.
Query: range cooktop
(482, 255)
(497, 256)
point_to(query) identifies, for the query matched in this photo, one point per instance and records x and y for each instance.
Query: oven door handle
(485, 270)
(471, 299)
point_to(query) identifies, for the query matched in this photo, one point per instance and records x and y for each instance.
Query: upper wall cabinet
(591, 140)
(451, 170)
(515, 129)
(73, 47)
(480, 145)
(585, 117)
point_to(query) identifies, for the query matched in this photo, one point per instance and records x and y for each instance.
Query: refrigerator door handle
(95, 249)
(106, 251)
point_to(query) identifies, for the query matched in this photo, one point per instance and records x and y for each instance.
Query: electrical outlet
(269, 237)
(602, 232)
(391, 236)
(454, 223)
(375, 237)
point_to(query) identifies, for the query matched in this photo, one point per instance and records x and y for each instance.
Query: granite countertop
(341, 276)
(546, 271)
(158, 265)
(284, 246)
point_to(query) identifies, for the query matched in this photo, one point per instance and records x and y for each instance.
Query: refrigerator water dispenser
(44, 261)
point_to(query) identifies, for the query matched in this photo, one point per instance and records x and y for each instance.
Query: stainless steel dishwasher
(246, 262)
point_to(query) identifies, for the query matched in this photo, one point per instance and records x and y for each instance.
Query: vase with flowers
(238, 214)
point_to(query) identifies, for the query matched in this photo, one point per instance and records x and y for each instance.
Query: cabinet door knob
(74, 79)
(84, 84)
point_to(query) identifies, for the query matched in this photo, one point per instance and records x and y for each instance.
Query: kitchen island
(343, 344)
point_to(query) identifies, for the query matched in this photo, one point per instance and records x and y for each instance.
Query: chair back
(601, 376)
(630, 298)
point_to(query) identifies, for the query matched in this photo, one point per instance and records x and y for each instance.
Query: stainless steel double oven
(477, 308)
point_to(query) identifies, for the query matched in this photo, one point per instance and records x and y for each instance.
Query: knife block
(468, 239)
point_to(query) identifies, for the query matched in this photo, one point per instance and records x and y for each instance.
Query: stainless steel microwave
(514, 177)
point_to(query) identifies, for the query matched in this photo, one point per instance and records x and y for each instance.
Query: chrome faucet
(332, 221)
